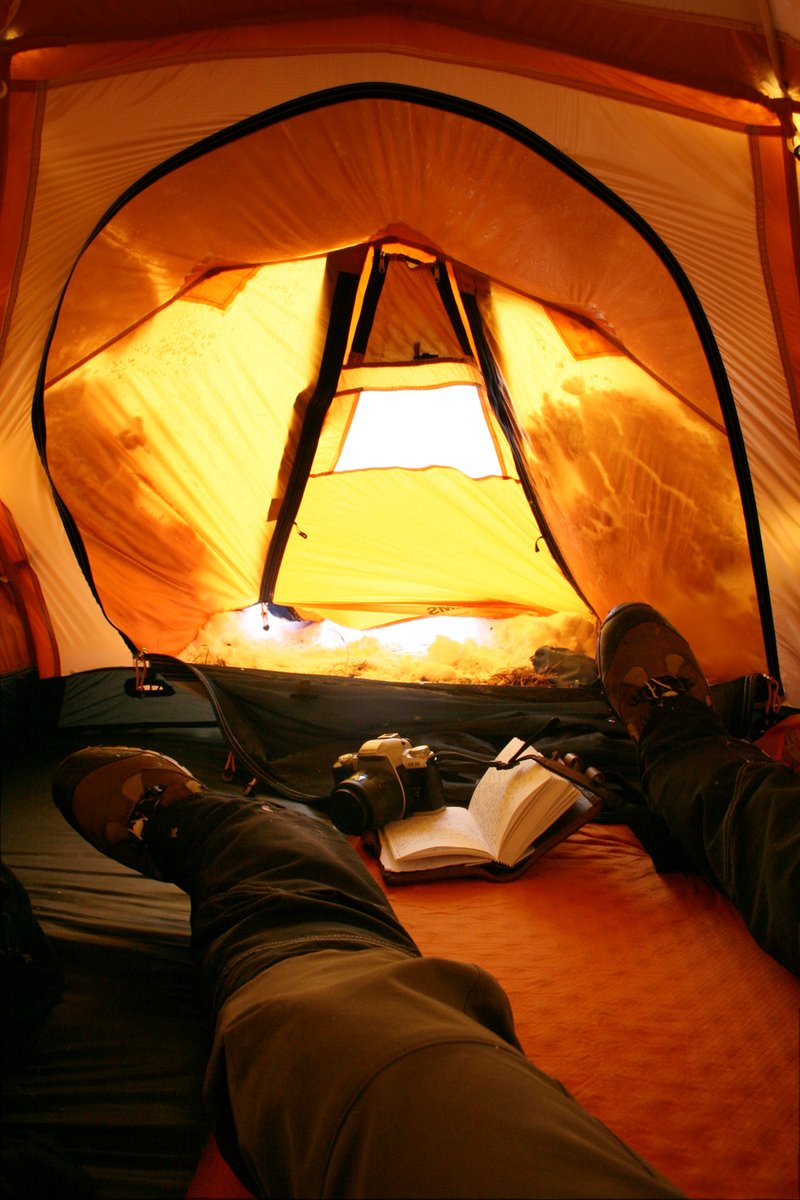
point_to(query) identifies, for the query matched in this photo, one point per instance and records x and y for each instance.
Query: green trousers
(344, 1063)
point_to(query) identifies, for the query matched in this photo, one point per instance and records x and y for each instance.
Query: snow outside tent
(480, 310)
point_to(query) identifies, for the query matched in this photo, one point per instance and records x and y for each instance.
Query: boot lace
(148, 804)
(661, 687)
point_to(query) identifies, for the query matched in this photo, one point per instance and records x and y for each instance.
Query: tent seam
(26, 218)
(767, 272)
(497, 64)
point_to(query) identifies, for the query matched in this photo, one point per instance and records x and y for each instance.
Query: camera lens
(365, 802)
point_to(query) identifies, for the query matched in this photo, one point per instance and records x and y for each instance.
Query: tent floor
(643, 993)
(115, 1082)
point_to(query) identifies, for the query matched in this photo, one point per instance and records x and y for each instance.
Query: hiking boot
(109, 793)
(643, 663)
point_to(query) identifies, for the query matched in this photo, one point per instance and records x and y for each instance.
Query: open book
(515, 814)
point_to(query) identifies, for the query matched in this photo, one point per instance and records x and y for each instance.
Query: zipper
(339, 321)
(377, 277)
(499, 400)
(258, 768)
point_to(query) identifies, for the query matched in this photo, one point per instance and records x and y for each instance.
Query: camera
(386, 780)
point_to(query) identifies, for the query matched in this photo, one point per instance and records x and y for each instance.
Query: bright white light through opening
(430, 649)
(443, 427)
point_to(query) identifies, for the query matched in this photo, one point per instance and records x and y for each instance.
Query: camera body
(386, 780)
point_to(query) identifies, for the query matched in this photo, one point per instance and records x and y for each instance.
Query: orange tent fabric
(26, 635)
(684, 114)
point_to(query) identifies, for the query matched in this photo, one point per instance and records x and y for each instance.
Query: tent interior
(317, 429)
(354, 366)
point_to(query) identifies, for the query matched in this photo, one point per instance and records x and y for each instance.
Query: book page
(450, 831)
(436, 862)
(500, 795)
(530, 822)
(513, 807)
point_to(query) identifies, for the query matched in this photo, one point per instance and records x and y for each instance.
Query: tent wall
(692, 135)
(26, 635)
(172, 417)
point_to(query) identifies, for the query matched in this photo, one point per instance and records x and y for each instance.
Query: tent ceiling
(347, 173)
(724, 45)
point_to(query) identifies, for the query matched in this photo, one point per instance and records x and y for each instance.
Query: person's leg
(344, 1063)
(265, 883)
(734, 811)
(374, 1074)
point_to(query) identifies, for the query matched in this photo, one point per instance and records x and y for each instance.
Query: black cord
(454, 758)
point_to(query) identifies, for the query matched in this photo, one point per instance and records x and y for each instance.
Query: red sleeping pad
(644, 994)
